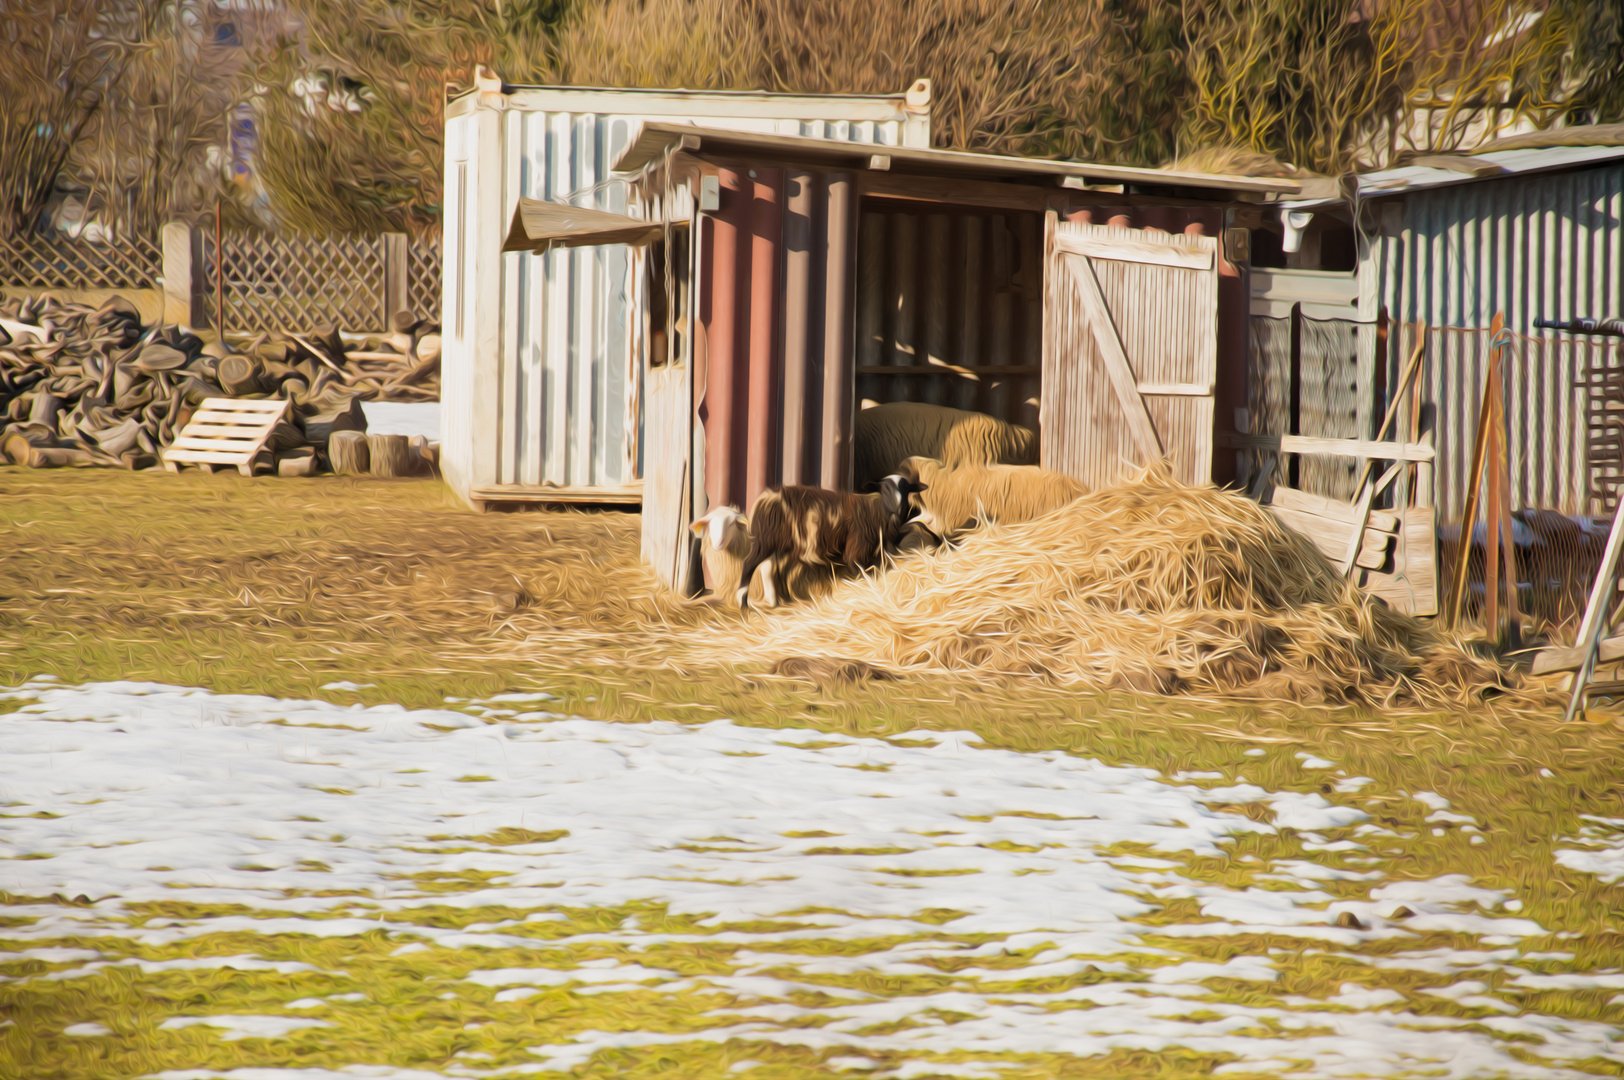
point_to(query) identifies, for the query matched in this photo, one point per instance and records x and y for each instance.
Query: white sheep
(953, 500)
(886, 434)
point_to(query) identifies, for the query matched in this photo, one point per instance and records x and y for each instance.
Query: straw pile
(1152, 586)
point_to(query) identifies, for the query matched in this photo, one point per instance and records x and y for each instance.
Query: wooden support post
(1294, 414)
(396, 251)
(1508, 544)
(1474, 481)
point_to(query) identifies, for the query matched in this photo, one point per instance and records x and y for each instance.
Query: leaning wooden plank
(1548, 661)
(1331, 537)
(246, 405)
(1598, 609)
(1308, 503)
(1098, 315)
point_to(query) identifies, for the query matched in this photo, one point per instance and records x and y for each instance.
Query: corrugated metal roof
(654, 138)
(1506, 163)
(655, 102)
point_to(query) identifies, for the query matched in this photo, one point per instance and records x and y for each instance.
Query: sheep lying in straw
(955, 500)
(796, 526)
(886, 434)
(1149, 585)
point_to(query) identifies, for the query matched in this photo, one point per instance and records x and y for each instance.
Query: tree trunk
(349, 453)
(392, 455)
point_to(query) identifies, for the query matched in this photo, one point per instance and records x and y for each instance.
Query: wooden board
(1291, 498)
(631, 495)
(1354, 448)
(1134, 251)
(1548, 661)
(225, 431)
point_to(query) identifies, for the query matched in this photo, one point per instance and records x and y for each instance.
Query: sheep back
(887, 434)
(959, 497)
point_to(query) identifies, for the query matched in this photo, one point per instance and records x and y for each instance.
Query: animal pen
(791, 282)
(542, 385)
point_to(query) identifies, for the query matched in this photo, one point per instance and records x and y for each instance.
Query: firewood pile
(82, 385)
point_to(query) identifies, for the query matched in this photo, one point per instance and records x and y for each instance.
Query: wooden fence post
(396, 252)
(185, 283)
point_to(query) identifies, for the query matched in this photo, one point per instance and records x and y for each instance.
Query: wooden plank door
(1130, 351)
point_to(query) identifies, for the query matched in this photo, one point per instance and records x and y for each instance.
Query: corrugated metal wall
(773, 390)
(547, 392)
(1549, 245)
(953, 287)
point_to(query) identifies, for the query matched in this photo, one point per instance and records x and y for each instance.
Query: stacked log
(86, 385)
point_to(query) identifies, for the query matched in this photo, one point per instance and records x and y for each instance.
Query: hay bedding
(1151, 585)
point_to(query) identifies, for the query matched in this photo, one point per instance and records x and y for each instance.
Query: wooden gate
(1130, 351)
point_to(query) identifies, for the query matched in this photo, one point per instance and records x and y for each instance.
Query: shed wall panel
(540, 382)
(1544, 246)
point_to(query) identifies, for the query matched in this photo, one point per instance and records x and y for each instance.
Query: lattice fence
(294, 283)
(423, 278)
(34, 261)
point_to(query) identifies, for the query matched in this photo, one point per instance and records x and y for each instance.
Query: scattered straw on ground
(1151, 585)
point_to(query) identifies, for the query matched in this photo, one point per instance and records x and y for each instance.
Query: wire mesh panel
(423, 278)
(294, 282)
(31, 260)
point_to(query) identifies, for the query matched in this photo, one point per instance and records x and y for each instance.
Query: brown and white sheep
(797, 526)
(956, 499)
(724, 535)
(886, 434)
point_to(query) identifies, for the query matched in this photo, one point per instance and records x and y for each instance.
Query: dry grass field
(485, 894)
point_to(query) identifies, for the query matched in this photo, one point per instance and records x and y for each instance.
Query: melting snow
(913, 856)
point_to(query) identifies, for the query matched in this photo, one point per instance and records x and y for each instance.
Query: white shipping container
(538, 383)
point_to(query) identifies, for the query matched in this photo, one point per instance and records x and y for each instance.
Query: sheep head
(721, 526)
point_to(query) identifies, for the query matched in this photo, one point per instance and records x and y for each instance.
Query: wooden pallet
(225, 431)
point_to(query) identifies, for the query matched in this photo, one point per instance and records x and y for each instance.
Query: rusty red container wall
(955, 287)
(774, 309)
(1233, 303)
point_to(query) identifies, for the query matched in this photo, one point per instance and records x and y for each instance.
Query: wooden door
(1130, 351)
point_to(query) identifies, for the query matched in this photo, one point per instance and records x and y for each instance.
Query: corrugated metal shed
(540, 393)
(1544, 239)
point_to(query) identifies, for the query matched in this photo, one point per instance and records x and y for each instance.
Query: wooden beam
(632, 495)
(1175, 389)
(1098, 316)
(1094, 247)
(961, 192)
(1304, 444)
(948, 369)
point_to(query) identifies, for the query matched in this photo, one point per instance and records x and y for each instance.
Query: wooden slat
(1304, 444)
(239, 447)
(245, 405)
(1549, 661)
(212, 457)
(1308, 503)
(1147, 389)
(1115, 360)
(245, 421)
(1134, 251)
(225, 431)
(1331, 537)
